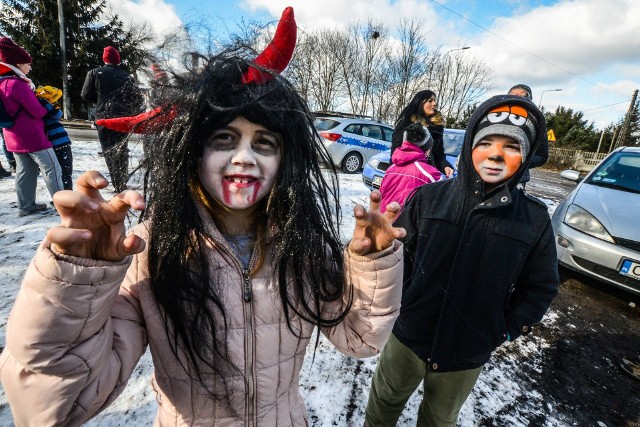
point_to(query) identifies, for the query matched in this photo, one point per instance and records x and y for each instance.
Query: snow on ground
(335, 387)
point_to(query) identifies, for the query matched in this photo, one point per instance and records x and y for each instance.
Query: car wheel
(352, 163)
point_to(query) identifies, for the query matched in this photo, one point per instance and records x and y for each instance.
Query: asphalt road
(84, 133)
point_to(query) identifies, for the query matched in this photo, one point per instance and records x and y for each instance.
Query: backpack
(6, 121)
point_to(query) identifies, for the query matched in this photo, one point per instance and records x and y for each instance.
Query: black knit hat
(525, 88)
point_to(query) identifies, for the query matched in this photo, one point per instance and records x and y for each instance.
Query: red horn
(148, 122)
(277, 55)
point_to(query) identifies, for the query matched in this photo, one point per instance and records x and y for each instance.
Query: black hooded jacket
(479, 268)
(114, 92)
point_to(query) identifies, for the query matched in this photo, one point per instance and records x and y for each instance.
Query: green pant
(398, 374)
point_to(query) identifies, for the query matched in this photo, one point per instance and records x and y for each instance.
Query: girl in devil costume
(237, 260)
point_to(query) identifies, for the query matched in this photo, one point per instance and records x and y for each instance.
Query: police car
(351, 140)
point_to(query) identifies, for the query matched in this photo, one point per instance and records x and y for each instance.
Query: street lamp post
(66, 96)
(458, 48)
(548, 90)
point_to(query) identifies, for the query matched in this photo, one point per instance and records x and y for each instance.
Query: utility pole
(600, 142)
(622, 136)
(613, 138)
(66, 100)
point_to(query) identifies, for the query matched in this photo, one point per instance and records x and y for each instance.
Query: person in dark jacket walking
(115, 95)
(480, 268)
(541, 155)
(422, 109)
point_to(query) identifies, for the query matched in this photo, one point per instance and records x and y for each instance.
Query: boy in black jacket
(480, 269)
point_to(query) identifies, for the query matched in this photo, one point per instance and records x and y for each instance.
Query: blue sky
(587, 48)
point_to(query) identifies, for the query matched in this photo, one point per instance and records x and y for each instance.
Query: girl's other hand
(375, 231)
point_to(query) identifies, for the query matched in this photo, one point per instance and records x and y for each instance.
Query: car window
(453, 143)
(325, 124)
(388, 133)
(372, 131)
(621, 170)
(353, 128)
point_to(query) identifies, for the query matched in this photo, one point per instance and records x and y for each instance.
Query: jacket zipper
(249, 363)
(249, 343)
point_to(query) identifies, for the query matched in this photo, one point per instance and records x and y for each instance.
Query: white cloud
(158, 14)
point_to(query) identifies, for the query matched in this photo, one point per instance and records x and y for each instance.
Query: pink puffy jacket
(79, 326)
(408, 171)
(27, 135)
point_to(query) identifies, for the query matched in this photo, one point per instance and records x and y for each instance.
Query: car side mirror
(570, 175)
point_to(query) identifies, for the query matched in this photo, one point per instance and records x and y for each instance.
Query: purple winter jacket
(408, 171)
(27, 135)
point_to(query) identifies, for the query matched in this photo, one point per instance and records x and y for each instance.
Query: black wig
(298, 222)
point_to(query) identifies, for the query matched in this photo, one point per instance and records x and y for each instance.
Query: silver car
(352, 141)
(597, 226)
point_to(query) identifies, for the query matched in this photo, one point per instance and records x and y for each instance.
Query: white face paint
(239, 164)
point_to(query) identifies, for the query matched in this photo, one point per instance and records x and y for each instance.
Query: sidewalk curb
(76, 124)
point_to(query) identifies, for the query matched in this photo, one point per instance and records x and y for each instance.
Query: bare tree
(363, 64)
(460, 80)
(327, 79)
(408, 66)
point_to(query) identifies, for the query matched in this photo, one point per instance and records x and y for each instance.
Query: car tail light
(330, 136)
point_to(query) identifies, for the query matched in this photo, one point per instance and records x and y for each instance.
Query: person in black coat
(422, 109)
(479, 268)
(116, 95)
(541, 155)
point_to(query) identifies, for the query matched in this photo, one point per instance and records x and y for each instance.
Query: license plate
(377, 180)
(631, 269)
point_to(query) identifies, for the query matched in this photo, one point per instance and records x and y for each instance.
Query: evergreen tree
(34, 26)
(572, 130)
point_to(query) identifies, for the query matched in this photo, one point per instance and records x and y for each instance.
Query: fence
(582, 161)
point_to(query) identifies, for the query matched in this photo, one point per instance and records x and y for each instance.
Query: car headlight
(581, 220)
(373, 163)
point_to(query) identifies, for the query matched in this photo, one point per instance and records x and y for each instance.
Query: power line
(605, 106)
(523, 49)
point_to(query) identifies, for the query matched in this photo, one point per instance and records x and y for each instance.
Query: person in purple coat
(26, 139)
(410, 168)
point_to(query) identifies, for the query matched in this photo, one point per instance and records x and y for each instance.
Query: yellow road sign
(551, 136)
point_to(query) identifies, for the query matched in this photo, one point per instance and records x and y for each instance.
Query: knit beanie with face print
(513, 121)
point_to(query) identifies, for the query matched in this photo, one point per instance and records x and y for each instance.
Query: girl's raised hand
(374, 231)
(92, 227)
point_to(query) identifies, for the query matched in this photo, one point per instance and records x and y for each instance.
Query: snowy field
(335, 387)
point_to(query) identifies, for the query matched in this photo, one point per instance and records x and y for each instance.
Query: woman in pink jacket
(410, 169)
(26, 139)
(237, 262)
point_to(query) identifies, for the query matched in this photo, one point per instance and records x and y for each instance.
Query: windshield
(621, 171)
(453, 143)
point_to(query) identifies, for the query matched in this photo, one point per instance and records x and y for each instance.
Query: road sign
(551, 136)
